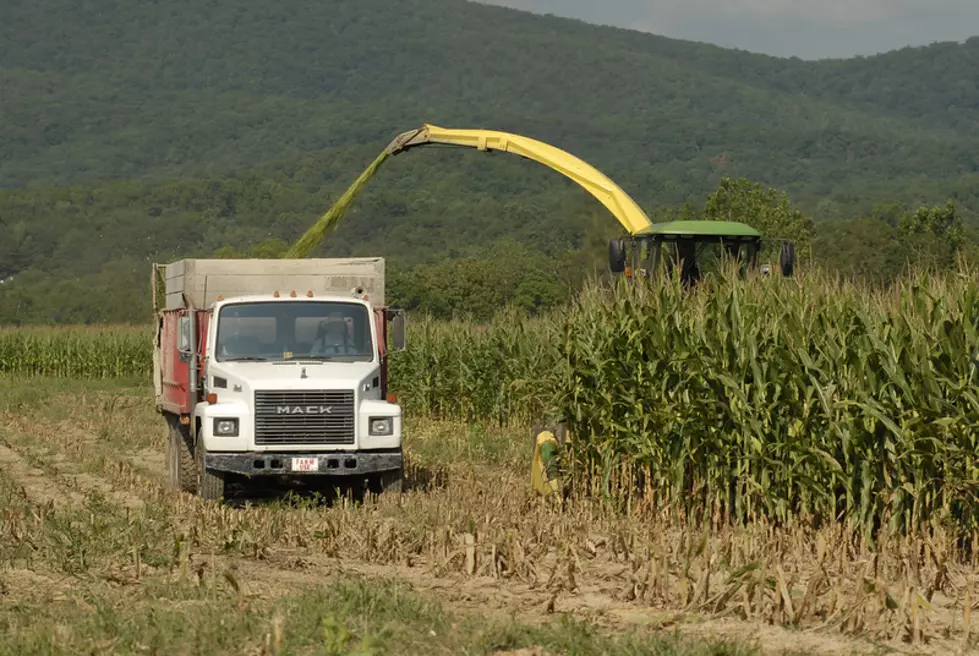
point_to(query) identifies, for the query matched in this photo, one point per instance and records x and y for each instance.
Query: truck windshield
(300, 330)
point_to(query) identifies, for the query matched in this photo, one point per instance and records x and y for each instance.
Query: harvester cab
(680, 247)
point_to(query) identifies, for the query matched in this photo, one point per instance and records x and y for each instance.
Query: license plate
(305, 464)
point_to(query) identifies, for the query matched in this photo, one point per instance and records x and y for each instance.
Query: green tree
(933, 235)
(507, 275)
(268, 249)
(866, 248)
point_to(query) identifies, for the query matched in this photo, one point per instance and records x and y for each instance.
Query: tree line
(80, 277)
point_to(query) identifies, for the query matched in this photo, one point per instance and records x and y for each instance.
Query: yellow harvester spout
(619, 203)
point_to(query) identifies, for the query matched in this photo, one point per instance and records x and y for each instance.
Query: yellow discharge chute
(619, 203)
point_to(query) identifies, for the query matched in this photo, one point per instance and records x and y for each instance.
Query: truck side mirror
(787, 259)
(183, 338)
(616, 255)
(397, 329)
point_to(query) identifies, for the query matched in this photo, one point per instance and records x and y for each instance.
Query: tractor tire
(212, 483)
(181, 466)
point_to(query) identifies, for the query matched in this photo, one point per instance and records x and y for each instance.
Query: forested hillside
(139, 131)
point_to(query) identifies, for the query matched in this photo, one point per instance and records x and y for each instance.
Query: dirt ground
(467, 532)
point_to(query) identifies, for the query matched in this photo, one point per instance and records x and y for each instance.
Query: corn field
(499, 372)
(451, 370)
(75, 352)
(797, 401)
(791, 400)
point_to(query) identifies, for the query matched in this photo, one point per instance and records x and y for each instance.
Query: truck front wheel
(389, 482)
(211, 483)
(181, 468)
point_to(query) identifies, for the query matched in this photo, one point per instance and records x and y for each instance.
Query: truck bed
(203, 281)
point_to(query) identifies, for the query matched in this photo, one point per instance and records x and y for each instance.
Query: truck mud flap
(304, 464)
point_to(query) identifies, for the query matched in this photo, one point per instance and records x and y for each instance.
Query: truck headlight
(381, 426)
(226, 427)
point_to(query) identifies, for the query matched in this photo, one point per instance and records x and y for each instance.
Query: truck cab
(285, 383)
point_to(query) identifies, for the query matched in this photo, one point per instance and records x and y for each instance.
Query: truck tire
(181, 467)
(211, 483)
(389, 482)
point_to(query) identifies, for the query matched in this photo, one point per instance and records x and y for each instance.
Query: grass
(341, 618)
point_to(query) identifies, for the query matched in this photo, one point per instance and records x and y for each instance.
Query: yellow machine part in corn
(545, 474)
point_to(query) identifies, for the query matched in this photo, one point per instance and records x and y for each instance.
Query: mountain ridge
(133, 132)
(361, 76)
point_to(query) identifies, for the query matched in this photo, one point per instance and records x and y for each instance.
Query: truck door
(174, 357)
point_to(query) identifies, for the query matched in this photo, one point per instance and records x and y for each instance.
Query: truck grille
(309, 417)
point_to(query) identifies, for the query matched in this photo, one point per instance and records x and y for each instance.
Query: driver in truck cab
(333, 337)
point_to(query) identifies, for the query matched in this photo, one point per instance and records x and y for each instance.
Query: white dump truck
(276, 368)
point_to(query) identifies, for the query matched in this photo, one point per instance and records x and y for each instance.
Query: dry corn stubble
(481, 521)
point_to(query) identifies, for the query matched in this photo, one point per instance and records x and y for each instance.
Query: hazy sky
(806, 28)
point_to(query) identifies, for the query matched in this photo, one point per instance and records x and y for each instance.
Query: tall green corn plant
(805, 399)
(76, 352)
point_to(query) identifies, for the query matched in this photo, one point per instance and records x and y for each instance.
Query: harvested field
(97, 554)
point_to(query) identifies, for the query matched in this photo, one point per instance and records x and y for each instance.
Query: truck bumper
(334, 463)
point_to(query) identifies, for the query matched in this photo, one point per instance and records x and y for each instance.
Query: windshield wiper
(246, 358)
